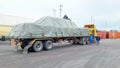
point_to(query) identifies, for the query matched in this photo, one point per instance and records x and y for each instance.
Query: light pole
(61, 10)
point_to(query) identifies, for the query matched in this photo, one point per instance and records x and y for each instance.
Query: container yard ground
(104, 55)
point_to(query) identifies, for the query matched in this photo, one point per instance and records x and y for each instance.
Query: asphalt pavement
(104, 55)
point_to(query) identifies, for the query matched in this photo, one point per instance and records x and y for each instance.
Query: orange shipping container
(114, 35)
(110, 35)
(102, 34)
(118, 35)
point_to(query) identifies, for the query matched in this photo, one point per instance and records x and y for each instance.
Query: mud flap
(25, 50)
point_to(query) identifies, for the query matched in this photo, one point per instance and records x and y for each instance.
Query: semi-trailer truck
(46, 31)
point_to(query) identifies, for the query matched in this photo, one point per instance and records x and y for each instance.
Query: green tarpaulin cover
(47, 27)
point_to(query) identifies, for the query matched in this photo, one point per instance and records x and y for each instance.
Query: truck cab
(92, 32)
(92, 29)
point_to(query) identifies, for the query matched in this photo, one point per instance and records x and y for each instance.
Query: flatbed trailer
(39, 44)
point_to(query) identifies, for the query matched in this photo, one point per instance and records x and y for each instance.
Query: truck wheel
(48, 45)
(37, 46)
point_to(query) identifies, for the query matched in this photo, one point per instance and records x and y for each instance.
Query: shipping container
(102, 34)
(109, 35)
(118, 35)
(114, 35)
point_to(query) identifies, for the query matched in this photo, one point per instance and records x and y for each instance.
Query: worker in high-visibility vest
(91, 38)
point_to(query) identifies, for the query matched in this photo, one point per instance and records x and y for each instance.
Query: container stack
(114, 35)
(108, 35)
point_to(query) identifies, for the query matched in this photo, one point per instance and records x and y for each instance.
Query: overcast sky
(103, 12)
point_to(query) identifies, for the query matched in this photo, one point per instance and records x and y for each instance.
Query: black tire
(48, 45)
(37, 46)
